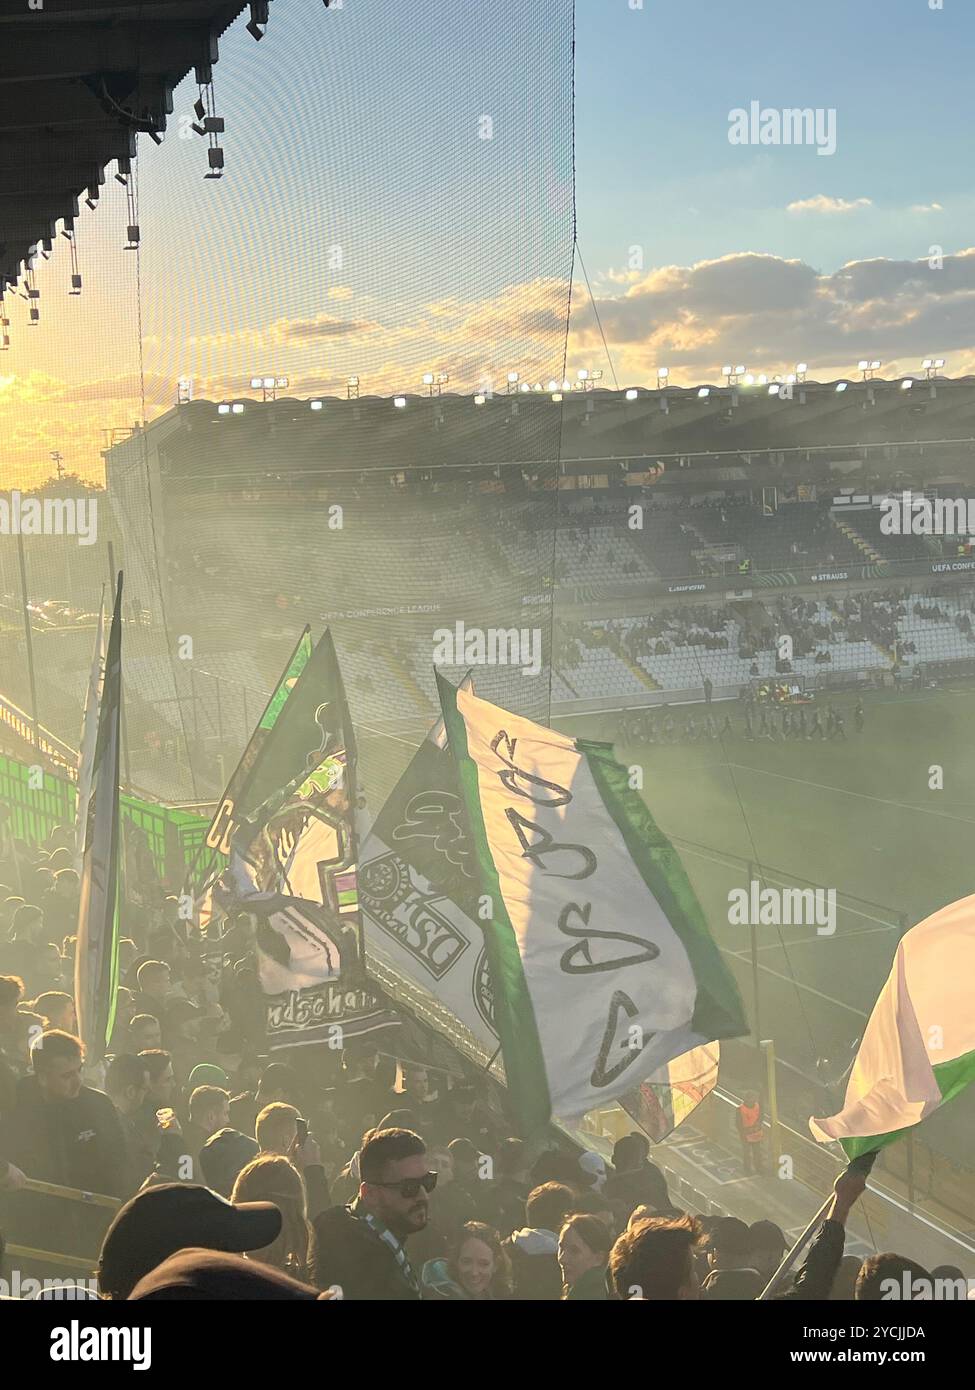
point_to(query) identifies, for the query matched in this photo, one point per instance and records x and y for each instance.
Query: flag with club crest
(418, 891)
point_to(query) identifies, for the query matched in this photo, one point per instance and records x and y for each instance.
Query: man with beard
(361, 1248)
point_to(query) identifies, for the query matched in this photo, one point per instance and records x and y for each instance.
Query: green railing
(40, 800)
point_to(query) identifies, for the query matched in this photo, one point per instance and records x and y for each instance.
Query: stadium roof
(78, 81)
(586, 430)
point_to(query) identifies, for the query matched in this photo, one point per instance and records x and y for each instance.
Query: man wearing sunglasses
(361, 1249)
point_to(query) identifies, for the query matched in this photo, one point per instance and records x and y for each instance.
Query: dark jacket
(78, 1143)
(591, 1287)
(535, 1272)
(814, 1281)
(643, 1186)
(348, 1253)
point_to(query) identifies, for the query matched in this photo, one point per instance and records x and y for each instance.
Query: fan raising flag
(603, 965)
(96, 951)
(918, 1048)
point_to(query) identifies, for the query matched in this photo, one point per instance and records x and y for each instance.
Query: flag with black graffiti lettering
(418, 893)
(603, 966)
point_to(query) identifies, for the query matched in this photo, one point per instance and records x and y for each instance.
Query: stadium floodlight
(792, 378)
(237, 408)
(566, 385)
(940, 362)
(223, 409)
(553, 386)
(256, 383)
(932, 365)
(927, 364)
(842, 385)
(727, 371)
(749, 379)
(739, 369)
(352, 388)
(801, 369)
(399, 402)
(281, 382)
(479, 400)
(353, 381)
(268, 383)
(596, 375)
(524, 386)
(556, 396)
(538, 386)
(774, 389)
(315, 405)
(875, 366)
(184, 390)
(583, 374)
(632, 394)
(703, 393)
(862, 365)
(428, 378)
(868, 368)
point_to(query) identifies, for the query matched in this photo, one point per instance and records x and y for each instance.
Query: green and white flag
(603, 965)
(418, 891)
(662, 1102)
(918, 1048)
(96, 949)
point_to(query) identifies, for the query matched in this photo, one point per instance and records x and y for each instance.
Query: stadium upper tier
(634, 430)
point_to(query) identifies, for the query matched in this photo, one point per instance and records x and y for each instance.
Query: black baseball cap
(211, 1274)
(158, 1221)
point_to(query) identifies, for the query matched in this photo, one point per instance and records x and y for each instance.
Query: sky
(398, 198)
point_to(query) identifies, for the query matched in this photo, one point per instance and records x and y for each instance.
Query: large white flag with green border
(918, 1048)
(603, 965)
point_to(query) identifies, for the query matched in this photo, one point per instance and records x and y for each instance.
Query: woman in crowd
(584, 1246)
(476, 1269)
(273, 1178)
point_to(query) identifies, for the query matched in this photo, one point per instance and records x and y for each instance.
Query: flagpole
(862, 1165)
(29, 639)
(113, 577)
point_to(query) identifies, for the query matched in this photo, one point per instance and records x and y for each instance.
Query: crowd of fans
(358, 1176)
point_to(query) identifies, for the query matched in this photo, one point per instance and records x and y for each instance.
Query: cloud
(826, 206)
(771, 313)
(926, 207)
(321, 326)
(748, 306)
